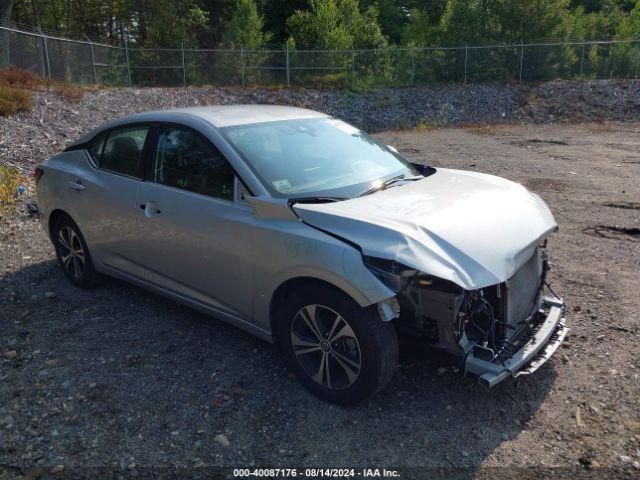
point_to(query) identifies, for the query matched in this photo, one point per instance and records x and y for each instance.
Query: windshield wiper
(291, 201)
(387, 183)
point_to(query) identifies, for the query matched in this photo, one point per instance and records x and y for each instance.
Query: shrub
(14, 100)
(10, 180)
(16, 77)
(73, 93)
(326, 81)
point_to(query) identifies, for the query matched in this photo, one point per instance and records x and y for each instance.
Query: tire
(350, 336)
(75, 262)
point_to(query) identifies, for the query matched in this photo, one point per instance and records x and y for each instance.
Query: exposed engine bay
(494, 321)
(486, 328)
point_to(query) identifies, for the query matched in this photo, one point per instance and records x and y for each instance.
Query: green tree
(275, 14)
(319, 28)
(420, 31)
(336, 25)
(624, 58)
(594, 25)
(5, 9)
(394, 15)
(594, 6)
(245, 27)
(629, 26)
(504, 21)
(532, 20)
(174, 23)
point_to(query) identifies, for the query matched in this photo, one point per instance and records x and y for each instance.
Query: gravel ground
(125, 381)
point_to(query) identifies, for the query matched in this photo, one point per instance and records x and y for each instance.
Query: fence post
(5, 37)
(584, 44)
(184, 68)
(521, 60)
(413, 67)
(353, 69)
(43, 67)
(93, 60)
(288, 72)
(242, 63)
(466, 56)
(46, 52)
(637, 60)
(126, 54)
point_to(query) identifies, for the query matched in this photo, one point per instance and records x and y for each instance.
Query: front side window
(184, 159)
(121, 152)
(317, 156)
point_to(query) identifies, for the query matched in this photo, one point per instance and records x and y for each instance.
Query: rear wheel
(73, 255)
(341, 352)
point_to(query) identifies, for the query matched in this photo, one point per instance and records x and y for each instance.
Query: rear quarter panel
(52, 190)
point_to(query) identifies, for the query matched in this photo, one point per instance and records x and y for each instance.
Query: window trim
(106, 133)
(149, 160)
(149, 149)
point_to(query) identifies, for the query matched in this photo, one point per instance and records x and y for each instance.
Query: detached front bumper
(546, 337)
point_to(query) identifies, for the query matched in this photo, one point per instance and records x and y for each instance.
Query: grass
(17, 87)
(72, 93)
(18, 78)
(15, 90)
(10, 180)
(426, 125)
(14, 100)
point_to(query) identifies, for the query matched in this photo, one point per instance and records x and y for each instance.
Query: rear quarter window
(120, 150)
(95, 148)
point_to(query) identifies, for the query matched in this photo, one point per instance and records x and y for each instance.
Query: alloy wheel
(72, 254)
(326, 347)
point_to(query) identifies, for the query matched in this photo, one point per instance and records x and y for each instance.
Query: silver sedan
(309, 233)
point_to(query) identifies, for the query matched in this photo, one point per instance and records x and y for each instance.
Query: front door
(195, 234)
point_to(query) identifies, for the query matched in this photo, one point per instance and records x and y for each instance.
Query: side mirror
(424, 170)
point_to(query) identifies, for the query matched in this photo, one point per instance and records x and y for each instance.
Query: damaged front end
(499, 331)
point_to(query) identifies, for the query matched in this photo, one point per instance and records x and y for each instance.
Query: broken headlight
(393, 274)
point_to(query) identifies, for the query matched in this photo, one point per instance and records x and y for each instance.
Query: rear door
(103, 194)
(196, 242)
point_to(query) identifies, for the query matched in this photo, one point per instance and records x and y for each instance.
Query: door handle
(77, 185)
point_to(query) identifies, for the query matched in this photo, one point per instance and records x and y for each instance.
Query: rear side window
(186, 160)
(120, 151)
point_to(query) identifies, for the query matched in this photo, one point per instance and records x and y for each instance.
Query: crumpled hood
(470, 228)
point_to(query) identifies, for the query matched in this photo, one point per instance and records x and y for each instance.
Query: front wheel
(341, 352)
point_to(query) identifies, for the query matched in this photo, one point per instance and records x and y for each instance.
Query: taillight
(37, 174)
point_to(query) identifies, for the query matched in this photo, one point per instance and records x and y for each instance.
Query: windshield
(315, 157)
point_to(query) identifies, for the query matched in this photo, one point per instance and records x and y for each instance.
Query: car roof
(217, 115)
(227, 115)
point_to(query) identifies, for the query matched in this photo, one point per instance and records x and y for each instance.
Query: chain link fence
(87, 62)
